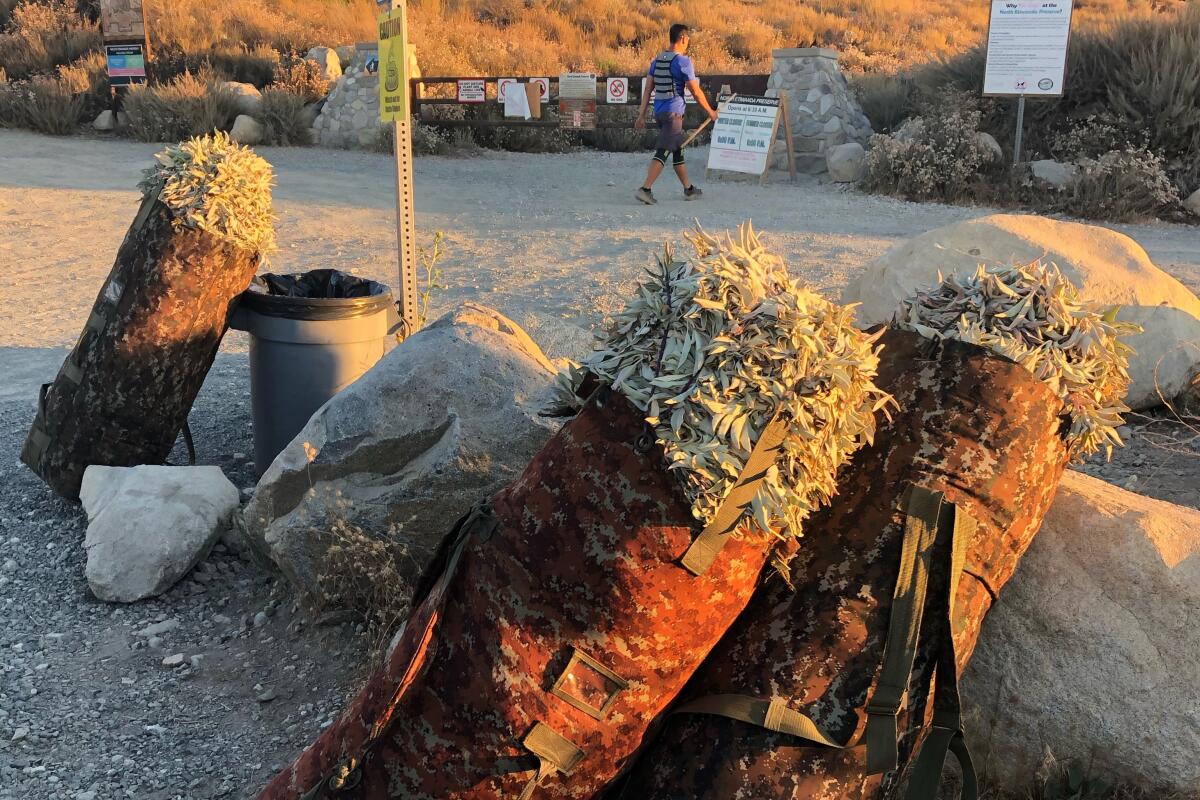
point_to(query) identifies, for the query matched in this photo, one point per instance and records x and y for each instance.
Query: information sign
(472, 90)
(577, 115)
(577, 85)
(744, 136)
(126, 64)
(1027, 48)
(393, 66)
(617, 90)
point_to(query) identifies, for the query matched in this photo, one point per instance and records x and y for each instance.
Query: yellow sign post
(394, 109)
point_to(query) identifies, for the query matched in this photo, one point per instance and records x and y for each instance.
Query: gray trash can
(311, 335)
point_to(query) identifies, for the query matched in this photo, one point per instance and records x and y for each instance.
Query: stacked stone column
(350, 116)
(823, 110)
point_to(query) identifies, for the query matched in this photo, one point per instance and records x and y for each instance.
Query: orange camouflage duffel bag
(816, 692)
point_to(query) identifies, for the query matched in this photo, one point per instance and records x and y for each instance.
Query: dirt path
(87, 710)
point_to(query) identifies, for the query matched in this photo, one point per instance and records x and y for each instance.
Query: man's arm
(640, 122)
(698, 93)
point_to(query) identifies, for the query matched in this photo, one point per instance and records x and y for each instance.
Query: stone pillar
(350, 116)
(823, 110)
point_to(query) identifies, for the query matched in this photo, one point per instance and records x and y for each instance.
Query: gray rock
(249, 98)
(847, 163)
(438, 424)
(345, 53)
(1090, 651)
(174, 661)
(159, 628)
(1192, 204)
(105, 121)
(328, 60)
(1056, 174)
(246, 130)
(149, 525)
(991, 146)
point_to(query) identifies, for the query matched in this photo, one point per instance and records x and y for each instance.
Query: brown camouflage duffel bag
(123, 394)
(819, 691)
(556, 624)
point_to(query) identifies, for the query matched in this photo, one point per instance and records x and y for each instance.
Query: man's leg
(656, 167)
(681, 168)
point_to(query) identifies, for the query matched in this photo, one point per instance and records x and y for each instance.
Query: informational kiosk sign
(577, 100)
(126, 63)
(744, 135)
(1027, 48)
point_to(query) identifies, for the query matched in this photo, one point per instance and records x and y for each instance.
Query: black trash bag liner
(320, 294)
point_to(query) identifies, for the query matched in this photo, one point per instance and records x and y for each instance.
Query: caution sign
(618, 90)
(472, 90)
(393, 66)
(543, 85)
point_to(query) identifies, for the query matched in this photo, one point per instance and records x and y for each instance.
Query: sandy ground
(87, 711)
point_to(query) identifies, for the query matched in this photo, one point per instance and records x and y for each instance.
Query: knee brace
(676, 158)
(660, 155)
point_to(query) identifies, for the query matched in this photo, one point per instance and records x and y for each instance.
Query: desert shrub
(532, 140)
(618, 140)
(284, 119)
(940, 158)
(188, 106)
(1092, 137)
(1121, 186)
(88, 78)
(428, 139)
(43, 35)
(366, 572)
(887, 100)
(300, 77)
(51, 106)
(12, 103)
(253, 65)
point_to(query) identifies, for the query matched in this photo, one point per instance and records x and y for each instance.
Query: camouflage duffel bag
(816, 692)
(554, 626)
(123, 394)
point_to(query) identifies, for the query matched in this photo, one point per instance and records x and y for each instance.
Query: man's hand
(712, 114)
(639, 124)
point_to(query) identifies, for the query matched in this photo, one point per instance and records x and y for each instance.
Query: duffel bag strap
(707, 546)
(774, 715)
(946, 735)
(908, 607)
(555, 754)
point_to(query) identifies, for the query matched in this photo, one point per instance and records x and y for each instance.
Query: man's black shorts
(670, 130)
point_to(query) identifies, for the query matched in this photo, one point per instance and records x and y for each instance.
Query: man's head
(680, 36)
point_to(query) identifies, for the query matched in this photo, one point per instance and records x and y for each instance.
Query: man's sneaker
(692, 193)
(646, 196)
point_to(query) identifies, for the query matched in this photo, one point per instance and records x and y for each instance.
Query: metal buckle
(588, 685)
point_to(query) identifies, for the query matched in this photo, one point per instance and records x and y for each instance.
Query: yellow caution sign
(393, 65)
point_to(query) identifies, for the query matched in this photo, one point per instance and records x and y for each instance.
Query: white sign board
(472, 90)
(743, 135)
(618, 90)
(688, 97)
(1027, 48)
(543, 85)
(502, 88)
(648, 89)
(577, 86)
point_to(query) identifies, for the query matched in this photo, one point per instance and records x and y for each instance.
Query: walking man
(669, 73)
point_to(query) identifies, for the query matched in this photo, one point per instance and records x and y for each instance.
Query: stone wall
(350, 116)
(823, 110)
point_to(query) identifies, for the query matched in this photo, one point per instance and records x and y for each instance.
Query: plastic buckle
(588, 685)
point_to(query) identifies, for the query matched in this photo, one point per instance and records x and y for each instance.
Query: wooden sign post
(393, 108)
(747, 133)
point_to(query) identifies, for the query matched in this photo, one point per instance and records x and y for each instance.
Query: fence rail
(428, 94)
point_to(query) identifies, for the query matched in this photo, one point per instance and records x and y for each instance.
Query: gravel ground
(88, 711)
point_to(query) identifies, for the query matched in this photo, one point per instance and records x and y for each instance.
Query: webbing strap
(908, 606)
(555, 753)
(707, 546)
(946, 735)
(774, 715)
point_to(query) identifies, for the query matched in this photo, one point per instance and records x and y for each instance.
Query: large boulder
(106, 120)
(328, 60)
(246, 130)
(149, 525)
(1107, 266)
(1192, 203)
(249, 98)
(383, 469)
(1091, 651)
(1054, 173)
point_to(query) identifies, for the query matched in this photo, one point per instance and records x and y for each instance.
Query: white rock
(249, 98)
(246, 130)
(328, 60)
(1091, 649)
(441, 422)
(149, 525)
(1192, 204)
(159, 628)
(174, 661)
(1054, 173)
(105, 121)
(847, 163)
(1107, 266)
(989, 143)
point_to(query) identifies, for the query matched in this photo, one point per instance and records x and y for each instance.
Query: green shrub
(284, 119)
(1121, 186)
(188, 106)
(12, 103)
(428, 139)
(51, 106)
(300, 77)
(532, 140)
(43, 35)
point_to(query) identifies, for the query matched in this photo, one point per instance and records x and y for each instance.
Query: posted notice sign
(472, 90)
(393, 66)
(617, 90)
(543, 85)
(126, 64)
(744, 134)
(1027, 48)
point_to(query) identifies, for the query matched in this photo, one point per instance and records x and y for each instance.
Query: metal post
(1020, 130)
(406, 228)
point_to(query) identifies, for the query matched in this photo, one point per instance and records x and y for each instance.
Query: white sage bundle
(711, 347)
(1032, 314)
